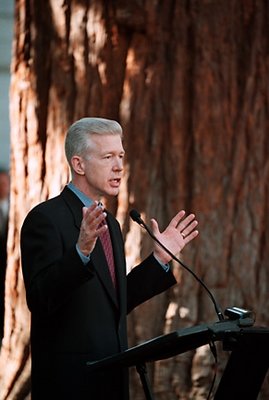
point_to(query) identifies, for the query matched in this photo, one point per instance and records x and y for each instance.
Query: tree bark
(188, 80)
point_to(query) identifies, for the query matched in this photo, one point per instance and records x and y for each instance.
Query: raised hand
(91, 227)
(180, 231)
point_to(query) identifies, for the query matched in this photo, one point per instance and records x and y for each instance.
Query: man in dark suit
(75, 273)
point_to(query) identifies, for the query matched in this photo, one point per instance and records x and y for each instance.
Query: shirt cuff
(84, 259)
(166, 267)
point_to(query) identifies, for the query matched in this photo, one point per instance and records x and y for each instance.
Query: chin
(113, 193)
(108, 194)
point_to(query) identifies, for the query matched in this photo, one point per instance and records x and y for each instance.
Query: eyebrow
(113, 152)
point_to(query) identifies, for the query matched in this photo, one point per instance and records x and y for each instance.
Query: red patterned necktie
(108, 250)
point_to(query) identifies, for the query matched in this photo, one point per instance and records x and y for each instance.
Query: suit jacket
(76, 314)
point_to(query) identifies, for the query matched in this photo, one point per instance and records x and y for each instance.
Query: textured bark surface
(188, 80)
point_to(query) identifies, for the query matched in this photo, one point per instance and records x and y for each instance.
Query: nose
(118, 164)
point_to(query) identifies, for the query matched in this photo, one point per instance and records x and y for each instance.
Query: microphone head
(136, 217)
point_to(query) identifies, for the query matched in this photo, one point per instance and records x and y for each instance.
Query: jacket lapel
(74, 204)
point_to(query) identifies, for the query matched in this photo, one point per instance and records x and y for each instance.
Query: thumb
(155, 227)
(84, 210)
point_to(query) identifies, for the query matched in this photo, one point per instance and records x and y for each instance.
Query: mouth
(115, 182)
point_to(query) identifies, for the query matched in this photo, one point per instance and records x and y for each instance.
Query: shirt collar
(82, 197)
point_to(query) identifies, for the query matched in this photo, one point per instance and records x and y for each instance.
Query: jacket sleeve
(146, 281)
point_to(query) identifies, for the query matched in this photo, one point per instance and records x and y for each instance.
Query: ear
(78, 165)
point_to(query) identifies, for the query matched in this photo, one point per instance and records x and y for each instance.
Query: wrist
(83, 252)
(161, 258)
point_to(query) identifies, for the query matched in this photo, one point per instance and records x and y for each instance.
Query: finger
(191, 236)
(177, 218)
(155, 227)
(94, 208)
(185, 222)
(99, 224)
(84, 212)
(88, 213)
(189, 228)
(94, 215)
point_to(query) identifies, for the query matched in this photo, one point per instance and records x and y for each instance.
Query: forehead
(106, 143)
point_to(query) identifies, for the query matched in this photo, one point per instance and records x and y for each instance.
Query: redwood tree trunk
(188, 80)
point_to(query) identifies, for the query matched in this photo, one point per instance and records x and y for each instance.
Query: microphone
(136, 217)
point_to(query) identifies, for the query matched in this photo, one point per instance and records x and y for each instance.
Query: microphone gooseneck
(136, 217)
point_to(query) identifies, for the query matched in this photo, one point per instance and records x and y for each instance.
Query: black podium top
(178, 342)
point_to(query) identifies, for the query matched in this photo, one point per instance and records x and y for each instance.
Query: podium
(246, 367)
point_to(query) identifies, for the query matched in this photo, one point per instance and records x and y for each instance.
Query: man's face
(102, 166)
